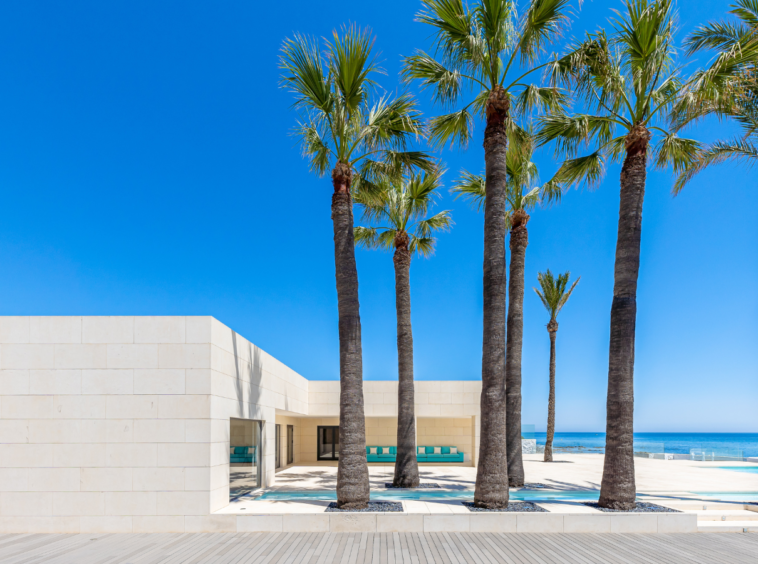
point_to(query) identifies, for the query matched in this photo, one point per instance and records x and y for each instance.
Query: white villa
(133, 423)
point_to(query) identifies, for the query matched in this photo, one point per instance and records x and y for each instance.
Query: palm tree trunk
(406, 465)
(552, 329)
(618, 489)
(352, 473)
(492, 468)
(513, 347)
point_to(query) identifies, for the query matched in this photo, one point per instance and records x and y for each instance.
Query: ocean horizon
(674, 443)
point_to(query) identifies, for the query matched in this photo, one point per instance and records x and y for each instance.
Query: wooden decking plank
(508, 540)
(573, 551)
(252, 546)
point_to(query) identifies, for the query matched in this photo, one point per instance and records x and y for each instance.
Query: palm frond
(588, 170)
(543, 99)
(718, 153)
(676, 152)
(569, 133)
(717, 35)
(366, 237)
(351, 64)
(304, 73)
(472, 187)
(445, 83)
(543, 23)
(451, 128)
(441, 221)
(392, 122)
(314, 147)
(422, 246)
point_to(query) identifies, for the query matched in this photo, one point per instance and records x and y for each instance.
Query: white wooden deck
(378, 548)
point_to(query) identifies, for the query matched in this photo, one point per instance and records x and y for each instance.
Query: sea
(674, 443)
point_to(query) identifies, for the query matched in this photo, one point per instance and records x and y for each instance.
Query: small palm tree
(398, 219)
(521, 196)
(475, 63)
(629, 80)
(358, 139)
(728, 87)
(553, 296)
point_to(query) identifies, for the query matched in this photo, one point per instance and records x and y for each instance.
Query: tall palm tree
(344, 130)
(728, 87)
(521, 196)
(629, 82)
(553, 296)
(474, 65)
(398, 218)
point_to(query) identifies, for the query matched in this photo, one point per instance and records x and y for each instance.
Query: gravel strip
(642, 507)
(534, 486)
(373, 506)
(520, 506)
(428, 486)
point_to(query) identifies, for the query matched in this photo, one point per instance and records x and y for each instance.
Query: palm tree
(629, 80)
(398, 219)
(341, 129)
(728, 87)
(476, 48)
(521, 196)
(553, 296)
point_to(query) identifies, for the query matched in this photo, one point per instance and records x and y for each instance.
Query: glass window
(328, 443)
(244, 456)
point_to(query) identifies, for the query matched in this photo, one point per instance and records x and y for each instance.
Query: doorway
(290, 444)
(244, 456)
(278, 440)
(328, 443)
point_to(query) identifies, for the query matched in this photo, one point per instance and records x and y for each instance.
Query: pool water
(468, 495)
(421, 495)
(749, 469)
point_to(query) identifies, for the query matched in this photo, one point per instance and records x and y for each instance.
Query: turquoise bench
(445, 456)
(388, 454)
(383, 454)
(241, 454)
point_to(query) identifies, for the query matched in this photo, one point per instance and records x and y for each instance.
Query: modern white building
(133, 423)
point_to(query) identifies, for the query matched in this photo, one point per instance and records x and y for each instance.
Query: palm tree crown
(629, 79)
(340, 123)
(476, 51)
(522, 189)
(727, 87)
(399, 211)
(554, 295)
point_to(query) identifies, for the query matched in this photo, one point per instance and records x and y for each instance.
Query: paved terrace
(378, 548)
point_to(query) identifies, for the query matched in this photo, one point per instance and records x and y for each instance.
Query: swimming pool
(423, 495)
(749, 469)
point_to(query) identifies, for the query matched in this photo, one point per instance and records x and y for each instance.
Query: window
(328, 443)
(244, 456)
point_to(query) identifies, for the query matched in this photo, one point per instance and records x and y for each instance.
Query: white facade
(122, 423)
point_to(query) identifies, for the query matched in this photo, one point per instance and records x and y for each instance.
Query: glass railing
(715, 453)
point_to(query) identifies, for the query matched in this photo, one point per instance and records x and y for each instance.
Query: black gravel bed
(373, 506)
(642, 507)
(520, 506)
(426, 486)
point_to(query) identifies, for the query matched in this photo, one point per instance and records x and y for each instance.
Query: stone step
(727, 527)
(726, 516)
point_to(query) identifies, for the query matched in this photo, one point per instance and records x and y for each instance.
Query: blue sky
(147, 169)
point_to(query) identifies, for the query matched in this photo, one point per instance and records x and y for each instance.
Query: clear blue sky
(147, 169)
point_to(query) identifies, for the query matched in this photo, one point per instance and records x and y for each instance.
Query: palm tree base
(617, 505)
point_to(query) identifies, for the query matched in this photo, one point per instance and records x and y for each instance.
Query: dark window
(328, 443)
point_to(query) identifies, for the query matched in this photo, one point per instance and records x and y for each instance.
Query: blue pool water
(749, 469)
(421, 495)
(675, 443)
